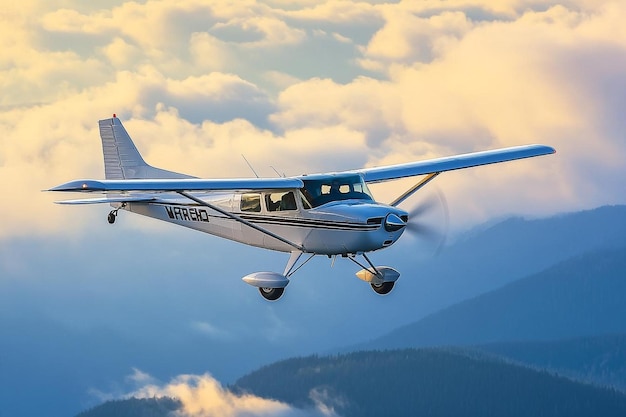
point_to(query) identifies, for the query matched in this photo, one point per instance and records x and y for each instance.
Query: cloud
(210, 330)
(317, 86)
(306, 86)
(500, 83)
(203, 396)
(409, 38)
(140, 378)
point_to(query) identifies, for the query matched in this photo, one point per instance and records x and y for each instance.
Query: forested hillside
(424, 382)
(135, 407)
(427, 382)
(599, 360)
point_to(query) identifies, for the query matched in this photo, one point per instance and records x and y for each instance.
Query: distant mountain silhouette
(599, 360)
(427, 382)
(583, 296)
(491, 256)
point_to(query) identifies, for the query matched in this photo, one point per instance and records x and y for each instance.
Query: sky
(300, 87)
(317, 86)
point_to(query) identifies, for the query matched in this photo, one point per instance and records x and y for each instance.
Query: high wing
(370, 175)
(130, 178)
(176, 185)
(468, 160)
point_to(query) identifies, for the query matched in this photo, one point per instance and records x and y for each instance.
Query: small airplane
(332, 214)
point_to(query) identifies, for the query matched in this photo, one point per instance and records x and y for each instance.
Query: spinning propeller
(429, 220)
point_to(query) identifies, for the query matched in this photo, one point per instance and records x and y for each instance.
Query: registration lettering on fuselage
(190, 214)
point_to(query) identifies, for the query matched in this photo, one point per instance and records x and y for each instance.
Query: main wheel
(271, 294)
(383, 288)
(111, 218)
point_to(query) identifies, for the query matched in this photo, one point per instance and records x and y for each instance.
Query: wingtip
(79, 185)
(549, 149)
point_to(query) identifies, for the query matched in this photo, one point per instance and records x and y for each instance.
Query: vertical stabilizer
(122, 160)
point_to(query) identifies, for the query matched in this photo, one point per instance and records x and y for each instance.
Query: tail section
(122, 160)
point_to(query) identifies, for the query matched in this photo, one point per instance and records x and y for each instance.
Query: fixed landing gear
(271, 294)
(271, 285)
(113, 214)
(381, 278)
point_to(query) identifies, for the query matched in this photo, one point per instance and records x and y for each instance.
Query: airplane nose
(393, 223)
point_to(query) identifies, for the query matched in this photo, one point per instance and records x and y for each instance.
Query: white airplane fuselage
(339, 227)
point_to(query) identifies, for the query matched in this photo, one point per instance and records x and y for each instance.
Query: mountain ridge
(490, 257)
(600, 360)
(577, 297)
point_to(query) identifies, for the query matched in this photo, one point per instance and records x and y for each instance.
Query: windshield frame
(322, 189)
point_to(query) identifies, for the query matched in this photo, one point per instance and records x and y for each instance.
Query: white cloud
(210, 330)
(409, 38)
(140, 378)
(203, 396)
(444, 82)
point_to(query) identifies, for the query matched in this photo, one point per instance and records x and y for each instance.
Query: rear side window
(251, 202)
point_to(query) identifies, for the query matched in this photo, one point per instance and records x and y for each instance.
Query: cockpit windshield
(321, 190)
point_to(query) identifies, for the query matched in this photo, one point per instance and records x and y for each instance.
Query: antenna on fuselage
(278, 173)
(244, 158)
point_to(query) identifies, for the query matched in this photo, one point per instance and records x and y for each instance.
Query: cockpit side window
(280, 201)
(306, 199)
(251, 202)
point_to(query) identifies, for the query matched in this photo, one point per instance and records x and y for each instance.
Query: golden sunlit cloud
(203, 396)
(317, 86)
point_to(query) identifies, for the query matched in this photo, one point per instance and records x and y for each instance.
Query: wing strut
(240, 220)
(408, 193)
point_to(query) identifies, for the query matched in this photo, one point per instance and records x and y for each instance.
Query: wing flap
(392, 172)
